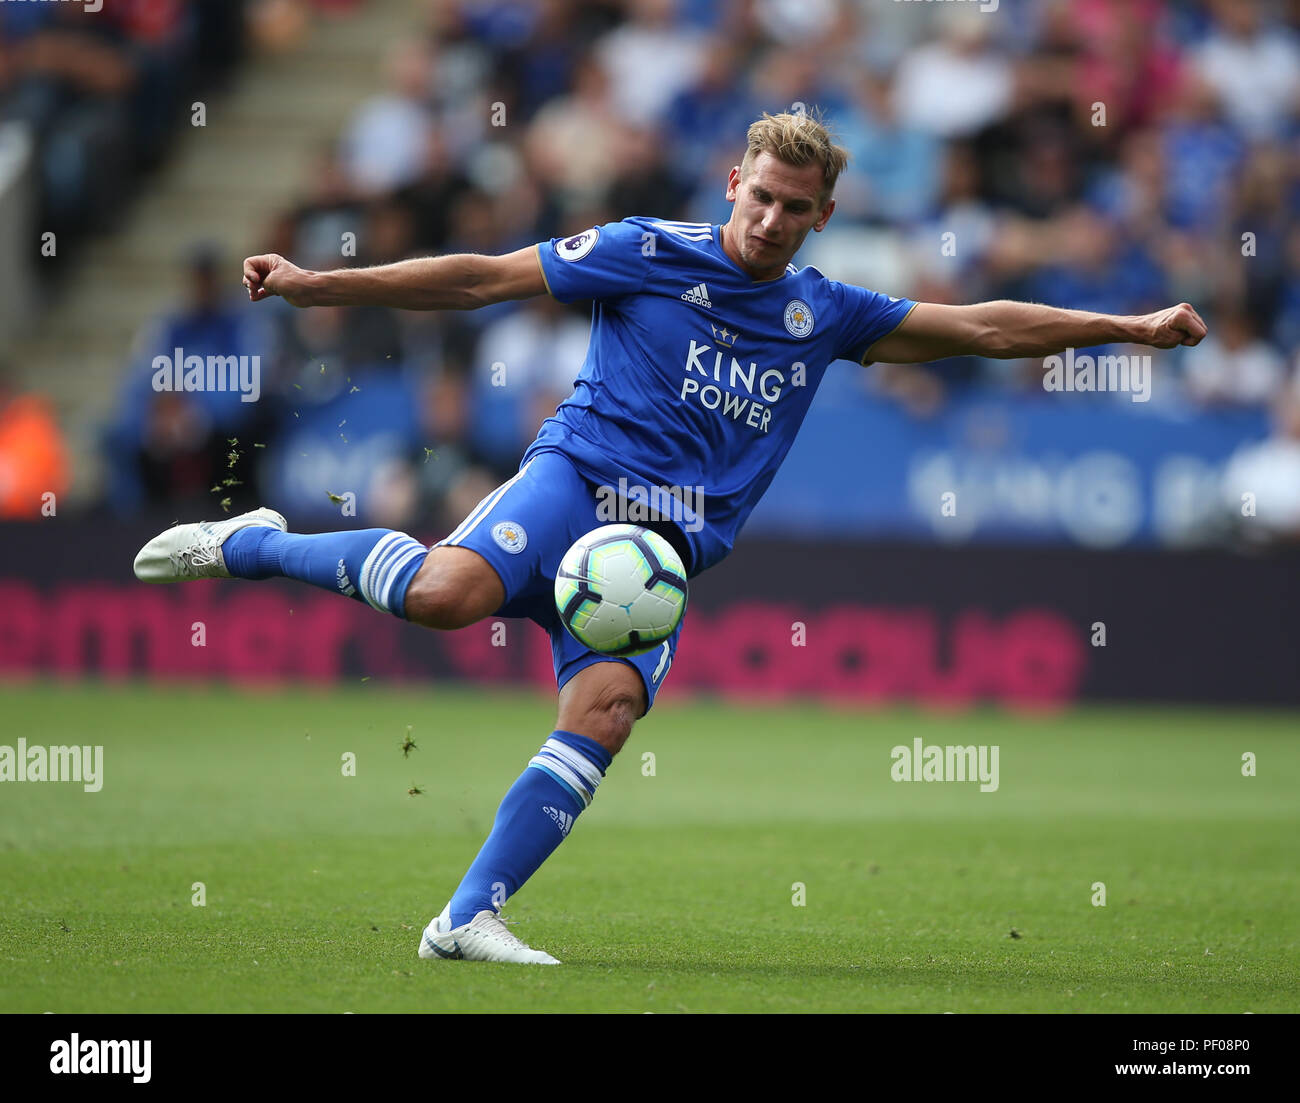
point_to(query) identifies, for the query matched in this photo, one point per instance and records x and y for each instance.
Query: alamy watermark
(933, 762)
(90, 6)
(61, 763)
(178, 372)
(118, 1057)
(1116, 374)
(631, 503)
(983, 5)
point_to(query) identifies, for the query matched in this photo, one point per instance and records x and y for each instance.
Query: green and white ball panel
(621, 590)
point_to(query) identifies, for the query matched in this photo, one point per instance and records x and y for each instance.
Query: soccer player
(707, 346)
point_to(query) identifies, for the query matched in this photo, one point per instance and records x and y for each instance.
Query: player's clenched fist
(271, 274)
(1179, 325)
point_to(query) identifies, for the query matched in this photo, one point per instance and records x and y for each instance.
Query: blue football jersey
(696, 377)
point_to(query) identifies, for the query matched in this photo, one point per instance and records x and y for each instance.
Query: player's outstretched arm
(463, 281)
(1006, 330)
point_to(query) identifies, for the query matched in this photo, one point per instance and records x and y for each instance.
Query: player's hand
(1179, 325)
(271, 274)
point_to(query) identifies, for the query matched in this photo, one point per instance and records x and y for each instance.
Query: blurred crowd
(102, 93)
(1108, 155)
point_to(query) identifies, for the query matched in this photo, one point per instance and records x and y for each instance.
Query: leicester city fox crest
(511, 536)
(798, 318)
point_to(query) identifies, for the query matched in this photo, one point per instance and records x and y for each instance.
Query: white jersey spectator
(956, 86)
(1233, 365)
(389, 140)
(1254, 69)
(1269, 473)
(649, 60)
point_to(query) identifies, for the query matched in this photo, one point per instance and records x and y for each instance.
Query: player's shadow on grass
(702, 968)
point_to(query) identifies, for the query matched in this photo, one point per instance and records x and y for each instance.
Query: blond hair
(797, 139)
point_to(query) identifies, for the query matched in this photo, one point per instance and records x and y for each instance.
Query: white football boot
(483, 938)
(186, 552)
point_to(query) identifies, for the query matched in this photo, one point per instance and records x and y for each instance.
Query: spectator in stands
(316, 225)
(1202, 154)
(539, 69)
(450, 477)
(71, 86)
(1287, 325)
(711, 106)
(103, 96)
(650, 59)
(782, 76)
(1233, 365)
(644, 181)
(800, 24)
(575, 142)
(524, 366)
(1253, 67)
(1265, 476)
(1128, 63)
(389, 141)
(170, 447)
(956, 85)
(1260, 227)
(33, 461)
(898, 167)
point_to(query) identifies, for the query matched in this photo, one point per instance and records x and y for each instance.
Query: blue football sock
(533, 820)
(372, 565)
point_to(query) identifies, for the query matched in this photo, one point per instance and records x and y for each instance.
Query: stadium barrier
(1019, 468)
(846, 623)
(17, 214)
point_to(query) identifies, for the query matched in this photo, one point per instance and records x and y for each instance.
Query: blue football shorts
(523, 528)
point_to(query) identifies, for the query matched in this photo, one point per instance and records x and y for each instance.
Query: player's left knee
(602, 703)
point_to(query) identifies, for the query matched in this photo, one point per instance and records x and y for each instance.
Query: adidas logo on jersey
(699, 295)
(563, 820)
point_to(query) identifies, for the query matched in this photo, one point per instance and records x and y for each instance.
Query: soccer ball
(621, 590)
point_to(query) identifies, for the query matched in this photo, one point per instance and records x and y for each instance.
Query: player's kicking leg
(442, 587)
(376, 566)
(501, 560)
(597, 709)
(523, 531)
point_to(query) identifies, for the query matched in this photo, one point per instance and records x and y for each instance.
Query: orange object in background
(33, 460)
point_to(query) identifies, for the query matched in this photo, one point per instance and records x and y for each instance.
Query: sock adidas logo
(341, 577)
(699, 295)
(563, 820)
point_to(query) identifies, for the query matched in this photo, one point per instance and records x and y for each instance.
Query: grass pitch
(677, 889)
